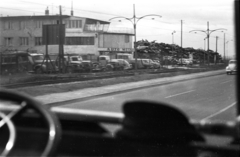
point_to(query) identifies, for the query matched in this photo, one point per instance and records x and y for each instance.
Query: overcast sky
(195, 15)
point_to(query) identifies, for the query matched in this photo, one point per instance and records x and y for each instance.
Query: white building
(84, 36)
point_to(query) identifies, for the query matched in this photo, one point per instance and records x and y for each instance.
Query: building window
(8, 41)
(38, 41)
(8, 25)
(39, 24)
(73, 23)
(79, 40)
(24, 41)
(23, 24)
(126, 38)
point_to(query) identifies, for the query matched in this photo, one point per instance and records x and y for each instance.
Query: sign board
(111, 50)
(120, 49)
(53, 34)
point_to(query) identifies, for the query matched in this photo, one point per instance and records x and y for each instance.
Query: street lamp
(134, 20)
(173, 36)
(208, 33)
(173, 41)
(204, 51)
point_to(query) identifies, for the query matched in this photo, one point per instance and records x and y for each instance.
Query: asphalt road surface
(210, 98)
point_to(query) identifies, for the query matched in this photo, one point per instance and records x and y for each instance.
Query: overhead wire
(80, 10)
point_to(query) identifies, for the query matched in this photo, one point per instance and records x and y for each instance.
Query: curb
(65, 102)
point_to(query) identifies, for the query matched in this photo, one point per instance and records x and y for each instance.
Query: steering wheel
(54, 128)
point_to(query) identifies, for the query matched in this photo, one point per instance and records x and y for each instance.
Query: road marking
(225, 82)
(219, 112)
(179, 94)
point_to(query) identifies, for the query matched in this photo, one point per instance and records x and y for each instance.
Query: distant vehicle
(147, 64)
(14, 61)
(124, 56)
(155, 64)
(72, 63)
(124, 63)
(104, 59)
(184, 61)
(40, 64)
(115, 64)
(140, 63)
(232, 67)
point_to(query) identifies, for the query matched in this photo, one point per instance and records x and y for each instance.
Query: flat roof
(116, 33)
(48, 17)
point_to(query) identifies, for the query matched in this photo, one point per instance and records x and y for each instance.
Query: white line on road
(225, 82)
(179, 94)
(219, 112)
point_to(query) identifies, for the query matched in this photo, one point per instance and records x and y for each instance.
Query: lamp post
(134, 20)
(208, 33)
(173, 36)
(215, 60)
(173, 42)
(204, 51)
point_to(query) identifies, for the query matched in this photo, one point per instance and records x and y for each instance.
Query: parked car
(124, 63)
(155, 64)
(147, 64)
(87, 65)
(114, 64)
(98, 67)
(72, 63)
(232, 67)
(185, 61)
(141, 63)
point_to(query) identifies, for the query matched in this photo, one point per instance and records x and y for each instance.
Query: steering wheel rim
(12, 136)
(52, 121)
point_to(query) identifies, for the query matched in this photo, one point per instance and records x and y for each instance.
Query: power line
(70, 8)
(20, 10)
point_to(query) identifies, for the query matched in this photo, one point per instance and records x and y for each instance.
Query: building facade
(83, 36)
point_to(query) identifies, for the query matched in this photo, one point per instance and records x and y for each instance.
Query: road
(203, 98)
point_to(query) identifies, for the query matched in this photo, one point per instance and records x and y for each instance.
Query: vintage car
(115, 64)
(124, 63)
(232, 67)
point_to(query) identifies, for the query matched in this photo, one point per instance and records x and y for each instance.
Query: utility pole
(135, 37)
(216, 42)
(181, 40)
(224, 48)
(204, 51)
(208, 35)
(215, 60)
(61, 53)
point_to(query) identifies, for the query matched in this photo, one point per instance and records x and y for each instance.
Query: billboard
(53, 34)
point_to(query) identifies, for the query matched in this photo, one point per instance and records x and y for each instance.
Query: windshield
(190, 95)
(178, 54)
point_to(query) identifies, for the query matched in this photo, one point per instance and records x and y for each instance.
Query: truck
(23, 61)
(41, 64)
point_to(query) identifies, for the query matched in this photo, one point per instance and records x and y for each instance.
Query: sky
(194, 16)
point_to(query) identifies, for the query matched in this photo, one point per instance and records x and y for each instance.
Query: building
(84, 36)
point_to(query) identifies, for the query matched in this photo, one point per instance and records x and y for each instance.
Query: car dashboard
(95, 133)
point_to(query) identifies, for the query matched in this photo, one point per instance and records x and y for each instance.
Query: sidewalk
(89, 92)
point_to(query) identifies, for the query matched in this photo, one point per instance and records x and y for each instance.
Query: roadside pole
(61, 38)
